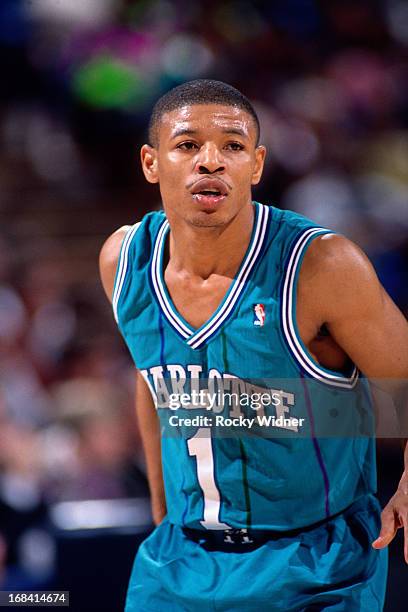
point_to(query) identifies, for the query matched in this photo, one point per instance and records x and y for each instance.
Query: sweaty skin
(338, 291)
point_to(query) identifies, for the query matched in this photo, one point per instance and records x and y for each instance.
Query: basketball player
(221, 293)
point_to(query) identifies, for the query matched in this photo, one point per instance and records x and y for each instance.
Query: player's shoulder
(112, 246)
(328, 255)
(295, 221)
(331, 251)
(333, 261)
(290, 235)
(325, 244)
(291, 224)
(121, 239)
(109, 256)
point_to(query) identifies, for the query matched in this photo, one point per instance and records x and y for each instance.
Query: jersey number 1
(200, 447)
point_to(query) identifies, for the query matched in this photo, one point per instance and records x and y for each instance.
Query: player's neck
(205, 251)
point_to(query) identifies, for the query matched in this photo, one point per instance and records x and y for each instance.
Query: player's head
(201, 91)
(204, 152)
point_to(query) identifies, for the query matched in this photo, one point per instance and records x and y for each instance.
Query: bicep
(359, 313)
(374, 333)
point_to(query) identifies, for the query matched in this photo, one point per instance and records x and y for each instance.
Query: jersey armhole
(122, 269)
(296, 347)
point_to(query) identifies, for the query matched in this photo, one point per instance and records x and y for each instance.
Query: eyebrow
(237, 131)
(191, 132)
(183, 132)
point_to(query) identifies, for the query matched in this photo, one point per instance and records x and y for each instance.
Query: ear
(260, 153)
(148, 157)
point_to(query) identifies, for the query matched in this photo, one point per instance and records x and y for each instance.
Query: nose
(209, 160)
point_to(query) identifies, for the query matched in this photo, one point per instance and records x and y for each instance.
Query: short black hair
(200, 91)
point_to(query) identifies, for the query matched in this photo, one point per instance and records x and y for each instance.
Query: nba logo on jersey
(259, 315)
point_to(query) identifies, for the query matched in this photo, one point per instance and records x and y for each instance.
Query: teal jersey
(309, 452)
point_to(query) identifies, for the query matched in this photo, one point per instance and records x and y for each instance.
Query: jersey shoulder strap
(135, 255)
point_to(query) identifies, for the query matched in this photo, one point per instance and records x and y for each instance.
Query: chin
(207, 219)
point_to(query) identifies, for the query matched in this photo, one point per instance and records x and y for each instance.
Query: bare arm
(358, 312)
(108, 259)
(150, 433)
(346, 295)
(145, 410)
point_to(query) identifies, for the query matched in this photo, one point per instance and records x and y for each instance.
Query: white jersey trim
(159, 290)
(295, 344)
(195, 338)
(122, 267)
(202, 335)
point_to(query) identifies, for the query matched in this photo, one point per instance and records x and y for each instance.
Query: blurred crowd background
(78, 80)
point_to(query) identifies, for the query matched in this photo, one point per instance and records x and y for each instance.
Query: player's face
(206, 161)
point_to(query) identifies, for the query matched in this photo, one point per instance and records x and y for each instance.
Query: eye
(187, 146)
(235, 146)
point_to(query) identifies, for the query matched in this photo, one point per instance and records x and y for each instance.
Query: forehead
(206, 117)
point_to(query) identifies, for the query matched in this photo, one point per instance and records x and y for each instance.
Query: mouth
(209, 192)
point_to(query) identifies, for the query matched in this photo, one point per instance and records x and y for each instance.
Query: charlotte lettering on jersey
(174, 386)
